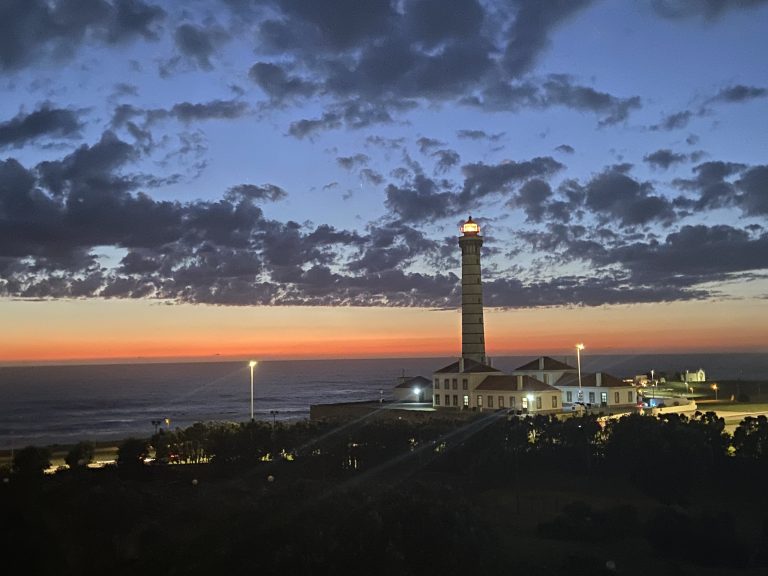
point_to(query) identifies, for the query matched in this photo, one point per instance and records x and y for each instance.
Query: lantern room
(470, 228)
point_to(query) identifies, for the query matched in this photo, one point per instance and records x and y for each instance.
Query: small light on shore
(270, 478)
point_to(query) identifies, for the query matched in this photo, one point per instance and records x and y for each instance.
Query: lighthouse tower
(472, 330)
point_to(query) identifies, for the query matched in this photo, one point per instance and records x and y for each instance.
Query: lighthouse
(472, 328)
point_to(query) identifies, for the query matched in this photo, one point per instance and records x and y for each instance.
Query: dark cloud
(33, 30)
(616, 196)
(479, 135)
(565, 149)
(554, 90)
(712, 183)
(391, 55)
(268, 192)
(693, 255)
(446, 159)
(372, 176)
(352, 114)
(560, 90)
(532, 198)
(753, 185)
(199, 44)
(481, 179)
(46, 121)
(277, 84)
(709, 9)
(216, 109)
(420, 200)
(580, 290)
(426, 145)
(351, 162)
(527, 35)
(674, 121)
(739, 93)
(664, 158)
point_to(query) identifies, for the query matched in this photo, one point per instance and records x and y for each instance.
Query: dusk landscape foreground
(200, 196)
(487, 494)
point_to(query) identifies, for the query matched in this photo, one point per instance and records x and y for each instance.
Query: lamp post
(274, 416)
(715, 388)
(251, 365)
(579, 348)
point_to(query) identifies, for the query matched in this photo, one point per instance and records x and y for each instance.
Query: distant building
(413, 389)
(598, 389)
(698, 376)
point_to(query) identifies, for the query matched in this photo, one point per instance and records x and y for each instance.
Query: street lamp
(252, 365)
(579, 348)
(274, 416)
(715, 388)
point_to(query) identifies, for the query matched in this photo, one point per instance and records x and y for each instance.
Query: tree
(31, 461)
(132, 453)
(80, 455)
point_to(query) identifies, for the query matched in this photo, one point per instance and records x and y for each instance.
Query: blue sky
(323, 153)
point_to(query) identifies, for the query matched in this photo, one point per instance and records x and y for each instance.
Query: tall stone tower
(472, 329)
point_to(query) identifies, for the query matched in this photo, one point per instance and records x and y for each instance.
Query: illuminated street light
(417, 392)
(579, 348)
(251, 365)
(715, 388)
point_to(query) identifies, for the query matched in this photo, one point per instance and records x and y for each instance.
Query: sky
(286, 179)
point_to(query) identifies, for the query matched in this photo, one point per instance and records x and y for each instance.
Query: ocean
(44, 405)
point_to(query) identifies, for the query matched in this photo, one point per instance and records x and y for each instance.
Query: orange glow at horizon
(91, 330)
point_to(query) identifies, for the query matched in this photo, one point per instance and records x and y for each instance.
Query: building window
(501, 401)
(447, 400)
(490, 401)
(446, 384)
(591, 397)
(629, 396)
(603, 398)
(525, 402)
(437, 383)
(554, 401)
(455, 383)
(479, 401)
(437, 399)
(464, 383)
(466, 401)
(569, 396)
(538, 403)
(616, 397)
(455, 400)
(511, 401)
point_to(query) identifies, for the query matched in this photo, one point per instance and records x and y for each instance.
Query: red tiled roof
(508, 382)
(469, 366)
(590, 380)
(549, 364)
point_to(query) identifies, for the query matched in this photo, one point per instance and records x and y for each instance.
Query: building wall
(456, 387)
(627, 395)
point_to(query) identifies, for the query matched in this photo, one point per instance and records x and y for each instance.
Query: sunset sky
(285, 179)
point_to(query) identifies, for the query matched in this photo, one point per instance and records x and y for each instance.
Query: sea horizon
(64, 404)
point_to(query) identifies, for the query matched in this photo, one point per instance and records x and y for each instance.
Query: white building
(413, 389)
(698, 376)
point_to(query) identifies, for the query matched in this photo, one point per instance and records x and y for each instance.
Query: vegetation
(486, 495)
